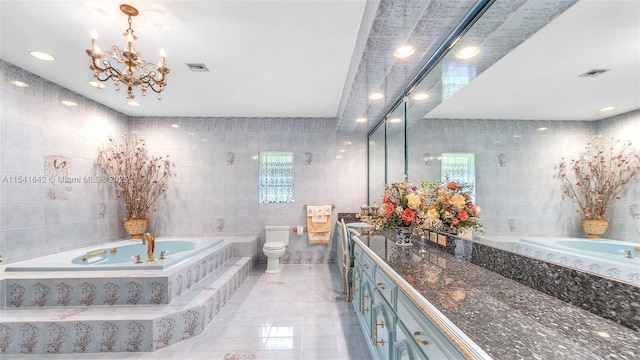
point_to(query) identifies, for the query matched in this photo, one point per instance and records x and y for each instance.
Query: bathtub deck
(122, 325)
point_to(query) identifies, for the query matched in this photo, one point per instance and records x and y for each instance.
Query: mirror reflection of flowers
(451, 209)
(401, 205)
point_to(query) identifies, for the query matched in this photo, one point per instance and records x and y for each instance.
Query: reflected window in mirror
(455, 76)
(276, 177)
(461, 168)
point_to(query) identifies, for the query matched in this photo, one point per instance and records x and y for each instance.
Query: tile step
(122, 328)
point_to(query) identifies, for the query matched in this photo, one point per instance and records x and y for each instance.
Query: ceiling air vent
(197, 67)
(594, 72)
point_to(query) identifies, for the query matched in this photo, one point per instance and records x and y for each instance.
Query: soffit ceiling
(323, 58)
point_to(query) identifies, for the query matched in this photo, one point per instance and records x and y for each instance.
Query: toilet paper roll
(300, 230)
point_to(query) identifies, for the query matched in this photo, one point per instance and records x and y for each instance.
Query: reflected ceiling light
(97, 85)
(541, 128)
(604, 334)
(41, 55)
(361, 120)
(404, 51)
(19, 83)
(133, 103)
(69, 103)
(607, 108)
(134, 71)
(376, 96)
(420, 96)
(468, 52)
(395, 120)
(175, 125)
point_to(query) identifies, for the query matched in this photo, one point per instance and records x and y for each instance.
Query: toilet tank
(278, 233)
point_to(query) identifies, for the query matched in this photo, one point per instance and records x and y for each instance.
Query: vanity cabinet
(394, 325)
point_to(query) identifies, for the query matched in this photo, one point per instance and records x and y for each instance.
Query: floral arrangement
(402, 204)
(139, 178)
(450, 208)
(599, 174)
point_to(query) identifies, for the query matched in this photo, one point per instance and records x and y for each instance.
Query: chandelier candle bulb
(162, 58)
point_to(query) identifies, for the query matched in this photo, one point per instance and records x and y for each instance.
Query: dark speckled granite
(507, 319)
(610, 299)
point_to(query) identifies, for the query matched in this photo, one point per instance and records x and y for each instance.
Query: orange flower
(386, 198)
(452, 185)
(408, 215)
(463, 216)
(387, 209)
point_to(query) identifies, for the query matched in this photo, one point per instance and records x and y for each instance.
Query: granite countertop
(506, 319)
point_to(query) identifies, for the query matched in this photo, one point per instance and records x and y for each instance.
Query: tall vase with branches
(594, 180)
(139, 178)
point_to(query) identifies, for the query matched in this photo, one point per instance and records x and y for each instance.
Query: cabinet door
(357, 286)
(382, 328)
(404, 346)
(366, 300)
(431, 341)
(386, 287)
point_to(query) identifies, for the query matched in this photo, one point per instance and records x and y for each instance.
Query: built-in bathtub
(119, 256)
(47, 311)
(602, 257)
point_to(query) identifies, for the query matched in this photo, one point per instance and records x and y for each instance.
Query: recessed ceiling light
(19, 83)
(404, 51)
(175, 125)
(97, 85)
(376, 96)
(604, 334)
(361, 120)
(395, 120)
(69, 103)
(420, 96)
(607, 108)
(468, 52)
(541, 128)
(42, 56)
(133, 103)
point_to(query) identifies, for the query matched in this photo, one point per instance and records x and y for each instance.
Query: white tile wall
(517, 184)
(207, 195)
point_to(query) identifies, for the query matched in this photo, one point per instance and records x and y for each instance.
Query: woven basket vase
(135, 227)
(594, 227)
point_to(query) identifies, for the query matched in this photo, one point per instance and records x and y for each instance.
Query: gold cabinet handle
(366, 266)
(419, 341)
(375, 334)
(366, 310)
(381, 286)
(366, 295)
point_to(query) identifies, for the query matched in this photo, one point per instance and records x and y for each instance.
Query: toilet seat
(274, 245)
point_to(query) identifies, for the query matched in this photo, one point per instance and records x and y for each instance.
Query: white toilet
(276, 241)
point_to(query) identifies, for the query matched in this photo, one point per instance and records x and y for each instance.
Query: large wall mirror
(516, 91)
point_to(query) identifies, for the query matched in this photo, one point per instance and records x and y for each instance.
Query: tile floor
(297, 314)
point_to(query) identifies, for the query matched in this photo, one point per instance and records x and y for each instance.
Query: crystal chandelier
(135, 71)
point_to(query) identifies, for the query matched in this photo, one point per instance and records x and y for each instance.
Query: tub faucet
(150, 241)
